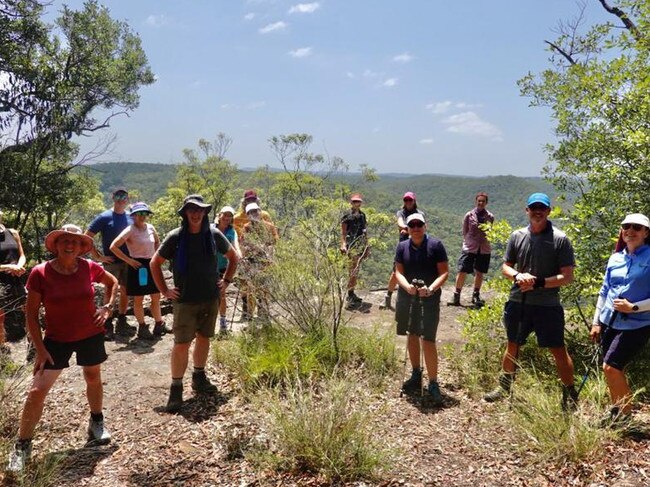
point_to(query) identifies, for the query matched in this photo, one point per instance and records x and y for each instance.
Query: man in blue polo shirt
(110, 224)
(420, 257)
(539, 260)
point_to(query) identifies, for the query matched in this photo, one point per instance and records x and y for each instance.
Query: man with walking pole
(539, 260)
(421, 268)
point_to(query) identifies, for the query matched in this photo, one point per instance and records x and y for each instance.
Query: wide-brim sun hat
(196, 200)
(69, 230)
(227, 209)
(252, 206)
(415, 216)
(141, 206)
(638, 218)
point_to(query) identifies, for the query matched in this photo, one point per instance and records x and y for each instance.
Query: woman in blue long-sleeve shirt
(622, 318)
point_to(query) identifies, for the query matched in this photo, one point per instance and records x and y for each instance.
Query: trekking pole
(419, 283)
(234, 310)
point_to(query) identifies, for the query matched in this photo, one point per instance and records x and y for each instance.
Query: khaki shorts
(118, 269)
(193, 318)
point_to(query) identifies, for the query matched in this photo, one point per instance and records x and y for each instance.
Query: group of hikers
(204, 257)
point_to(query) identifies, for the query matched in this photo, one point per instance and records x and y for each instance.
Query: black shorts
(417, 321)
(620, 346)
(133, 287)
(90, 351)
(546, 321)
(468, 263)
(12, 293)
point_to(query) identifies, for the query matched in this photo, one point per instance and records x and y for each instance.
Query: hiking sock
(389, 294)
(458, 290)
(477, 291)
(177, 382)
(222, 322)
(97, 416)
(199, 370)
(23, 444)
(350, 293)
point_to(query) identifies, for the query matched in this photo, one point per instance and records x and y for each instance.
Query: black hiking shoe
(122, 328)
(109, 334)
(175, 400)
(387, 304)
(477, 301)
(413, 383)
(202, 385)
(502, 390)
(160, 329)
(434, 396)
(615, 419)
(455, 301)
(353, 298)
(569, 398)
(144, 333)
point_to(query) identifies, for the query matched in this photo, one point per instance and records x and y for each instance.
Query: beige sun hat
(69, 229)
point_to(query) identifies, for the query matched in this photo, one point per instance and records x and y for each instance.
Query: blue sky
(421, 86)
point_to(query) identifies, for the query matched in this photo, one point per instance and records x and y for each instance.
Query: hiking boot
(123, 328)
(19, 458)
(97, 433)
(569, 398)
(455, 301)
(615, 419)
(353, 298)
(387, 303)
(477, 301)
(502, 390)
(413, 383)
(109, 334)
(175, 400)
(434, 393)
(160, 329)
(201, 384)
(144, 333)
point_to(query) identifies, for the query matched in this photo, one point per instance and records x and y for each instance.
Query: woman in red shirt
(73, 324)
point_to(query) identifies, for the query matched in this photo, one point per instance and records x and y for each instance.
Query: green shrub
(325, 428)
(272, 356)
(555, 436)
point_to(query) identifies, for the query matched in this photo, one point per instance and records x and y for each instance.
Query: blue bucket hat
(141, 206)
(539, 198)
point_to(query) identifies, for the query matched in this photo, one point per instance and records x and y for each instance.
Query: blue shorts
(546, 321)
(620, 346)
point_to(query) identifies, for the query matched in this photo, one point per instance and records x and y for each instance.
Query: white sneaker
(97, 433)
(18, 459)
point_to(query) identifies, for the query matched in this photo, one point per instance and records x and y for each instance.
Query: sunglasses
(140, 213)
(537, 206)
(120, 197)
(634, 226)
(415, 225)
(407, 199)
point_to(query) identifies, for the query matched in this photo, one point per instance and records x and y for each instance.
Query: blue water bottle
(143, 276)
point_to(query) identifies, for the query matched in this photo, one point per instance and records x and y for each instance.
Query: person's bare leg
(33, 408)
(431, 359)
(124, 301)
(619, 390)
(564, 365)
(413, 344)
(179, 359)
(138, 309)
(94, 388)
(154, 307)
(201, 351)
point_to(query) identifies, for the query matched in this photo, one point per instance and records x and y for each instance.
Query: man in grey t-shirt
(539, 260)
(193, 248)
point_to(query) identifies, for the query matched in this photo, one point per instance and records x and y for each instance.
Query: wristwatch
(107, 306)
(635, 307)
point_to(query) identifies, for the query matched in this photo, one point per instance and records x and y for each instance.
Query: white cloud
(304, 8)
(351, 75)
(371, 74)
(254, 105)
(439, 107)
(157, 20)
(301, 52)
(405, 57)
(273, 27)
(390, 82)
(227, 106)
(469, 123)
(426, 141)
(445, 106)
(249, 16)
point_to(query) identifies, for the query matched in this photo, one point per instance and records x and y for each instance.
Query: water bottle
(143, 276)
